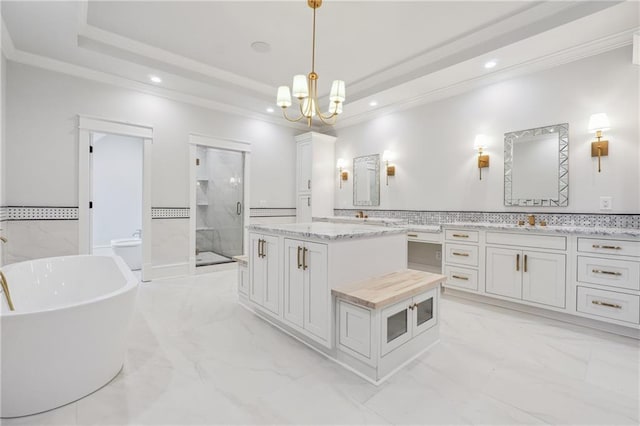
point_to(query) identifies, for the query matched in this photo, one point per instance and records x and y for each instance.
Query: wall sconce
(343, 174)
(390, 169)
(597, 124)
(479, 144)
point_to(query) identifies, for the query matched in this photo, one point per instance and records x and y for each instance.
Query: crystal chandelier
(305, 88)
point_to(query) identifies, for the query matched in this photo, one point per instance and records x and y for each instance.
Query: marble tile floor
(196, 357)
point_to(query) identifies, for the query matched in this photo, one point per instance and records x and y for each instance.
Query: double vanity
(344, 290)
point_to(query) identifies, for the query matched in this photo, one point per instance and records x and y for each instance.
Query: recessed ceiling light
(490, 64)
(155, 79)
(260, 46)
(373, 103)
(270, 109)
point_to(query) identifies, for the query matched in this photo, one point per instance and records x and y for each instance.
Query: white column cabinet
(316, 175)
(306, 288)
(527, 275)
(264, 280)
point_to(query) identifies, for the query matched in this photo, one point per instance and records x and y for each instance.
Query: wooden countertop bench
(387, 289)
(242, 259)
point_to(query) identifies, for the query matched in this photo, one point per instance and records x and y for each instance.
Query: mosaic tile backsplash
(558, 219)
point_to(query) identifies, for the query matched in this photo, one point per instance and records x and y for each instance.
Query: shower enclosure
(219, 205)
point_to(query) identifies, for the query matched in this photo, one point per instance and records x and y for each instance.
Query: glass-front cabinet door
(424, 314)
(405, 320)
(396, 326)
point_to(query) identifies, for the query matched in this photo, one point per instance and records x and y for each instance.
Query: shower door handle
(238, 208)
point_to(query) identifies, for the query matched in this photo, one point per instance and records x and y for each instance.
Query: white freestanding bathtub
(67, 336)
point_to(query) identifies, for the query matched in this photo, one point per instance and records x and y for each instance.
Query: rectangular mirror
(536, 167)
(366, 180)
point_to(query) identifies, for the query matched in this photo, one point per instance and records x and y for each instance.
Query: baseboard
(170, 270)
(558, 316)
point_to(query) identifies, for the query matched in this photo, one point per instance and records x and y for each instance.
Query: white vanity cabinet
(527, 275)
(315, 176)
(307, 295)
(608, 280)
(264, 280)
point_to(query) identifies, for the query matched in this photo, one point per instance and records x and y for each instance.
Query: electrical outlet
(438, 255)
(606, 203)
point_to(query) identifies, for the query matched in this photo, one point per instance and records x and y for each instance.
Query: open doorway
(114, 190)
(116, 194)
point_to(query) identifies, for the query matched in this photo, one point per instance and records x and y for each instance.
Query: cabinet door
(317, 296)
(304, 165)
(303, 209)
(293, 282)
(271, 281)
(243, 279)
(256, 270)
(396, 326)
(424, 311)
(504, 272)
(544, 278)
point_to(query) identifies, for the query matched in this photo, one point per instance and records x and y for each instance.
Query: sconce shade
(480, 142)
(284, 97)
(598, 121)
(300, 88)
(337, 93)
(387, 155)
(340, 164)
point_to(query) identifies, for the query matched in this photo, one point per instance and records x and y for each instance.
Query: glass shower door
(219, 205)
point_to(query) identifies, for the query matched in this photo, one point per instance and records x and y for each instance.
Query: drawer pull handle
(609, 305)
(455, 253)
(461, 235)
(597, 246)
(458, 277)
(599, 271)
(412, 235)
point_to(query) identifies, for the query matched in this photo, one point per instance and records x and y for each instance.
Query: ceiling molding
(548, 61)
(50, 64)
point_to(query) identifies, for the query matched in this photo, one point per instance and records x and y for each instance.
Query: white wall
(117, 188)
(3, 109)
(436, 167)
(53, 100)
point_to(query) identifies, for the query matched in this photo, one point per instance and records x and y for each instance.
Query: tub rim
(131, 283)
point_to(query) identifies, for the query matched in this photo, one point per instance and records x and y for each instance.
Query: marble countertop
(367, 220)
(564, 229)
(387, 289)
(327, 230)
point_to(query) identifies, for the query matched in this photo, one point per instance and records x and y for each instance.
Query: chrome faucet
(138, 233)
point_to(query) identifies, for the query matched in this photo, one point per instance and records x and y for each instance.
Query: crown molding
(576, 53)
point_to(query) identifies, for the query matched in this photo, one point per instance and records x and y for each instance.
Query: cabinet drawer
(527, 240)
(428, 237)
(461, 277)
(461, 235)
(609, 304)
(613, 247)
(609, 272)
(461, 254)
(354, 329)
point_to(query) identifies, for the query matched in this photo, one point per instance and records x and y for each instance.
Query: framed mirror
(536, 167)
(366, 180)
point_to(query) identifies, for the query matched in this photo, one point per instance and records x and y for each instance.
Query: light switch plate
(606, 203)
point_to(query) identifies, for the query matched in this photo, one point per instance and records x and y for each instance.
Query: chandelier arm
(328, 120)
(293, 120)
(313, 43)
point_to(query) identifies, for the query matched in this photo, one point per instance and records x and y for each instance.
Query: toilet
(130, 250)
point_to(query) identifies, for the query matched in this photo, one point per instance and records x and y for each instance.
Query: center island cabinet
(343, 290)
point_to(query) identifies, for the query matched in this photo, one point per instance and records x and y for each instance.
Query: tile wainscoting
(418, 217)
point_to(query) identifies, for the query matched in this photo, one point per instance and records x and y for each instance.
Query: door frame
(196, 140)
(86, 126)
